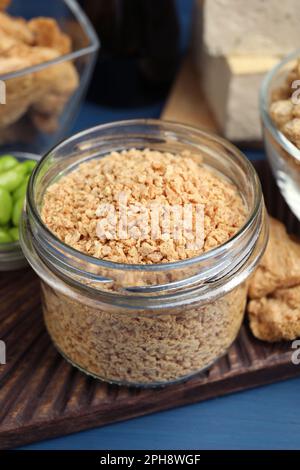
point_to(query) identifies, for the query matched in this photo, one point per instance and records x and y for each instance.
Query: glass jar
(11, 255)
(144, 325)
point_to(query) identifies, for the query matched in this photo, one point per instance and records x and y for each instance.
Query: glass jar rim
(61, 254)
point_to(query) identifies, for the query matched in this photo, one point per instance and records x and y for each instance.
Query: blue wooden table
(264, 418)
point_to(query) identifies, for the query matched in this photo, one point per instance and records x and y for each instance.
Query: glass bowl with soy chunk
(49, 51)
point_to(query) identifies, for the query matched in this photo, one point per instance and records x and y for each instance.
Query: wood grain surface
(42, 396)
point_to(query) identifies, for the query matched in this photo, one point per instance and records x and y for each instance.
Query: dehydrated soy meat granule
(285, 107)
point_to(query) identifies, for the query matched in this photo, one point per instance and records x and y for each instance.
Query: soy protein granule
(133, 346)
(70, 205)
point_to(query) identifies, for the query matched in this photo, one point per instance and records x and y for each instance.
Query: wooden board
(42, 396)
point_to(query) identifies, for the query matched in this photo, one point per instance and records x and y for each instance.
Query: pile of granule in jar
(71, 205)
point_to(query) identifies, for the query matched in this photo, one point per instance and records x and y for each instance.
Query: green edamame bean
(14, 233)
(11, 179)
(17, 210)
(29, 165)
(7, 162)
(5, 236)
(5, 206)
(21, 190)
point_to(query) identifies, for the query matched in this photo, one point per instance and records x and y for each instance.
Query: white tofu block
(250, 27)
(231, 85)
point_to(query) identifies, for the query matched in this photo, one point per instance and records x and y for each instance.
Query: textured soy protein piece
(285, 106)
(276, 317)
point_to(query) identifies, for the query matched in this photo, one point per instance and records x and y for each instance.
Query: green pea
(13, 178)
(29, 165)
(17, 210)
(21, 190)
(5, 206)
(5, 236)
(14, 233)
(7, 162)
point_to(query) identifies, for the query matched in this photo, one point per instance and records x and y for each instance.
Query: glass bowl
(283, 155)
(42, 99)
(11, 254)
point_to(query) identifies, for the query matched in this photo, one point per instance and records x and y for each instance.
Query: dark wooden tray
(42, 396)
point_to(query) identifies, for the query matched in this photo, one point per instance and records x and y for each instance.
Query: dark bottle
(139, 50)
